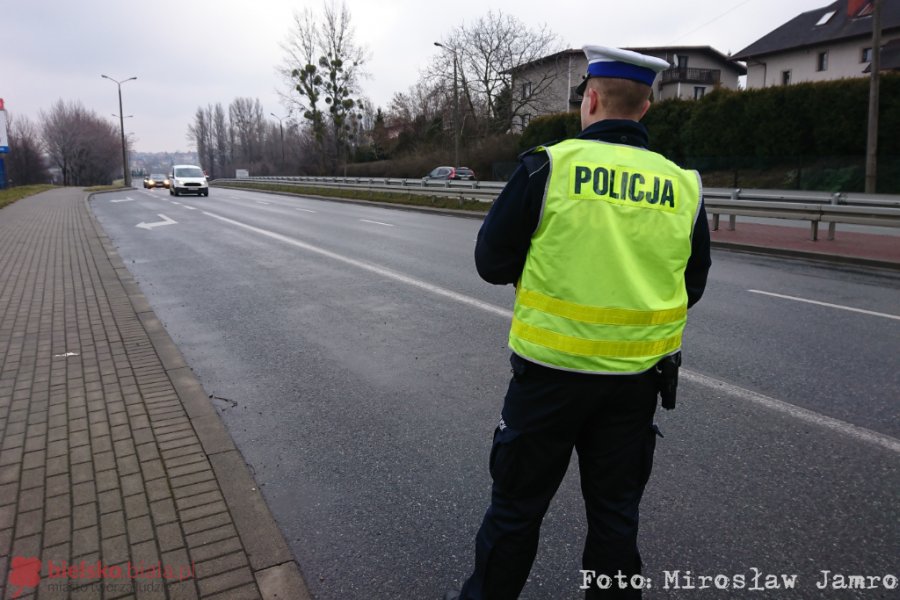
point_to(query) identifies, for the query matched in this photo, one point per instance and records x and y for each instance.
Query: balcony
(676, 75)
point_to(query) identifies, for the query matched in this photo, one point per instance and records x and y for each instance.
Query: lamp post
(126, 172)
(455, 107)
(281, 127)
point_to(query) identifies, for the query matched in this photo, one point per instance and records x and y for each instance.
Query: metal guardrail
(878, 210)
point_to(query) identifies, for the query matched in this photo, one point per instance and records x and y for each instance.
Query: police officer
(607, 244)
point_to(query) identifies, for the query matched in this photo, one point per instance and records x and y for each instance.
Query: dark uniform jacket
(505, 235)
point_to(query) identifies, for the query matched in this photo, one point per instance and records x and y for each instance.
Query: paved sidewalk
(871, 249)
(110, 449)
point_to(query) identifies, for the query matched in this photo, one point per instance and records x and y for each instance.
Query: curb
(832, 259)
(275, 570)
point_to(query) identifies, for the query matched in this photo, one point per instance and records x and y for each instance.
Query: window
(822, 61)
(786, 77)
(526, 90)
(526, 119)
(682, 61)
(825, 18)
(866, 56)
(699, 91)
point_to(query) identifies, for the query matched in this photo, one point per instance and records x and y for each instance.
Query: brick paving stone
(163, 511)
(214, 550)
(112, 524)
(225, 581)
(204, 523)
(84, 515)
(140, 529)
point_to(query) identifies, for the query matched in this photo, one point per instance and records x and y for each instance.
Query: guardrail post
(732, 219)
(835, 200)
(814, 229)
(715, 221)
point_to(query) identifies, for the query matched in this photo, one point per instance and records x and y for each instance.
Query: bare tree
(248, 124)
(488, 51)
(85, 147)
(221, 136)
(201, 133)
(25, 161)
(323, 65)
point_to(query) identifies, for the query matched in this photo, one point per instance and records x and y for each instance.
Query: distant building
(547, 85)
(828, 43)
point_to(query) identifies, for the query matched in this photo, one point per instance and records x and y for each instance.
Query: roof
(548, 58)
(803, 30)
(709, 50)
(728, 61)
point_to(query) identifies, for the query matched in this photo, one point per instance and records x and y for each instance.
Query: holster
(667, 379)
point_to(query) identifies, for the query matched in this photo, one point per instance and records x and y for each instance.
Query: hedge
(728, 129)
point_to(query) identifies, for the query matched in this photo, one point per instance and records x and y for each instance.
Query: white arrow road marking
(802, 414)
(165, 221)
(126, 199)
(376, 222)
(829, 305)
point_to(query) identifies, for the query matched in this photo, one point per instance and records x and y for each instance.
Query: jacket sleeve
(505, 235)
(697, 269)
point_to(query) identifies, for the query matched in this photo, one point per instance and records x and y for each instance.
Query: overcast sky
(188, 53)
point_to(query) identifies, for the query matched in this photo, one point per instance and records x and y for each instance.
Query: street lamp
(126, 172)
(281, 127)
(455, 107)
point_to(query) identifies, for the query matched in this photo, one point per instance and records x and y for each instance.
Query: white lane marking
(829, 305)
(376, 222)
(190, 207)
(808, 416)
(173, 202)
(126, 199)
(372, 268)
(261, 202)
(803, 414)
(165, 221)
(306, 210)
(66, 355)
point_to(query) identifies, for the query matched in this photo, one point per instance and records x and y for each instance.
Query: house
(547, 85)
(828, 43)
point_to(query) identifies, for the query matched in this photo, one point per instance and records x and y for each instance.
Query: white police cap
(621, 64)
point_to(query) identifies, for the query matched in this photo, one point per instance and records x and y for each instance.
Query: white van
(187, 179)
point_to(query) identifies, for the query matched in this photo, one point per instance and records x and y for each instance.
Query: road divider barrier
(874, 210)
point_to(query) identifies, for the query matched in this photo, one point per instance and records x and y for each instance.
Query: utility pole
(455, 108)
(126, 172)
(872, 136)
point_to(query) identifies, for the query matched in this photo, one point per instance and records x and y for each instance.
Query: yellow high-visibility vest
(602, 290)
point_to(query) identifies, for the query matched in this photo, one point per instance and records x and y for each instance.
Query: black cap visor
(582, 86)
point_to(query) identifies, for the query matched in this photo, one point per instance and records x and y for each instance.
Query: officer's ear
(593, 100)
(644, 109)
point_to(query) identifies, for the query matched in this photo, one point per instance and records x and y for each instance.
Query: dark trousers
(608, 420)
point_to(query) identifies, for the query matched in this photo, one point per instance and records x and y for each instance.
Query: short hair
(620, 97)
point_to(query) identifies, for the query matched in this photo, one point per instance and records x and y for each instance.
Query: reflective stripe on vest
(602, 290)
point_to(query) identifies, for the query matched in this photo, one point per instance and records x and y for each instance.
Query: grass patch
(10, 195)
(104, 188)
(405, 198)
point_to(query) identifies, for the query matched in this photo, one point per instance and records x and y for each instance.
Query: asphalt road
(360, 365)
